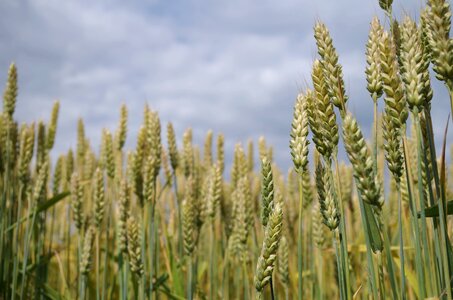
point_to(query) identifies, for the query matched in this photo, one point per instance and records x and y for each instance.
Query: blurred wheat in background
(169, 222)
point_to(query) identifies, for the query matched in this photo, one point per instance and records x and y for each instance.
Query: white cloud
(234, 66)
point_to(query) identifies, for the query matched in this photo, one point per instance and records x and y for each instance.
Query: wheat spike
(172, 146)
(298, 143)
(221, 152)
(137, 164)
(207, 155)
(236, 166)
(57, 175)
(373, 59)
(85, 260)
(346, 182)
(318, 228)
(134, 247)
(77, 200)
(52, 131)
(267, 190)
(266, 261)
(123, 207)
(81, 143)
(414, 66)
(10, 94)
(323, 112)
(148, 182)
(331, 68)
(189, 218)
(154, 141)
(238, 239)
(121, 132)
(360, 156)
(107, 155)
(27, 142)
(166, 166)
(441, 45)
(395, 103)
(188, 152)
(424, 32)
(307, 189)
(250, 156)
(99, 198)
(40, 183)
(393, 146)
(41, 149)
(213, 191)
(69, 165)
(386, 5)
(328, 204)
(283, 263)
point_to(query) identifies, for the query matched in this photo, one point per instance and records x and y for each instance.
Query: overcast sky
(233, 66)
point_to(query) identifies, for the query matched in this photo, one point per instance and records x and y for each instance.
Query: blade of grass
(415, 226)
(446, 260)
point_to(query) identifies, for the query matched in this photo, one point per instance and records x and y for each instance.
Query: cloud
(233, 66)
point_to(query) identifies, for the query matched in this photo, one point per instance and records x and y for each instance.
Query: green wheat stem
(189, 277)
(211, 261)
(401, 241)
(125, 279)
(106, 254)
(68, 245)
(52, 225)
(442, 217)
(150, 221)
(320, 274)
(135, 287)
(443, 257)
(98, 274)
(142, 288)
(371, 271)
(343, 240)
(312, 262)
(450, 92)
(416, 231)
(3, 208)
(123, 276)
(226, 273)
(236, 280)
(299, 241)
(15, 244)
(375, 135)
(83, 287)
(40, 252)
(440, 280)
(389, 258)
(156, 250)
(271, 286)
(246, 280)
(381, 275)
(435, 223)
(339, 266)
(152, 240)
(79, 254)
(178, 206)
(28, 234)
(421, 198)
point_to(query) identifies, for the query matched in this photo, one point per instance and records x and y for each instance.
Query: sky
(233, 66)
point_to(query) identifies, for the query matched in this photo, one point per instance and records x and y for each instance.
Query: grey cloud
(233, 66)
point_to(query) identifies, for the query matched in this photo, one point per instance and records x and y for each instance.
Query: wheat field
(166, 220)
